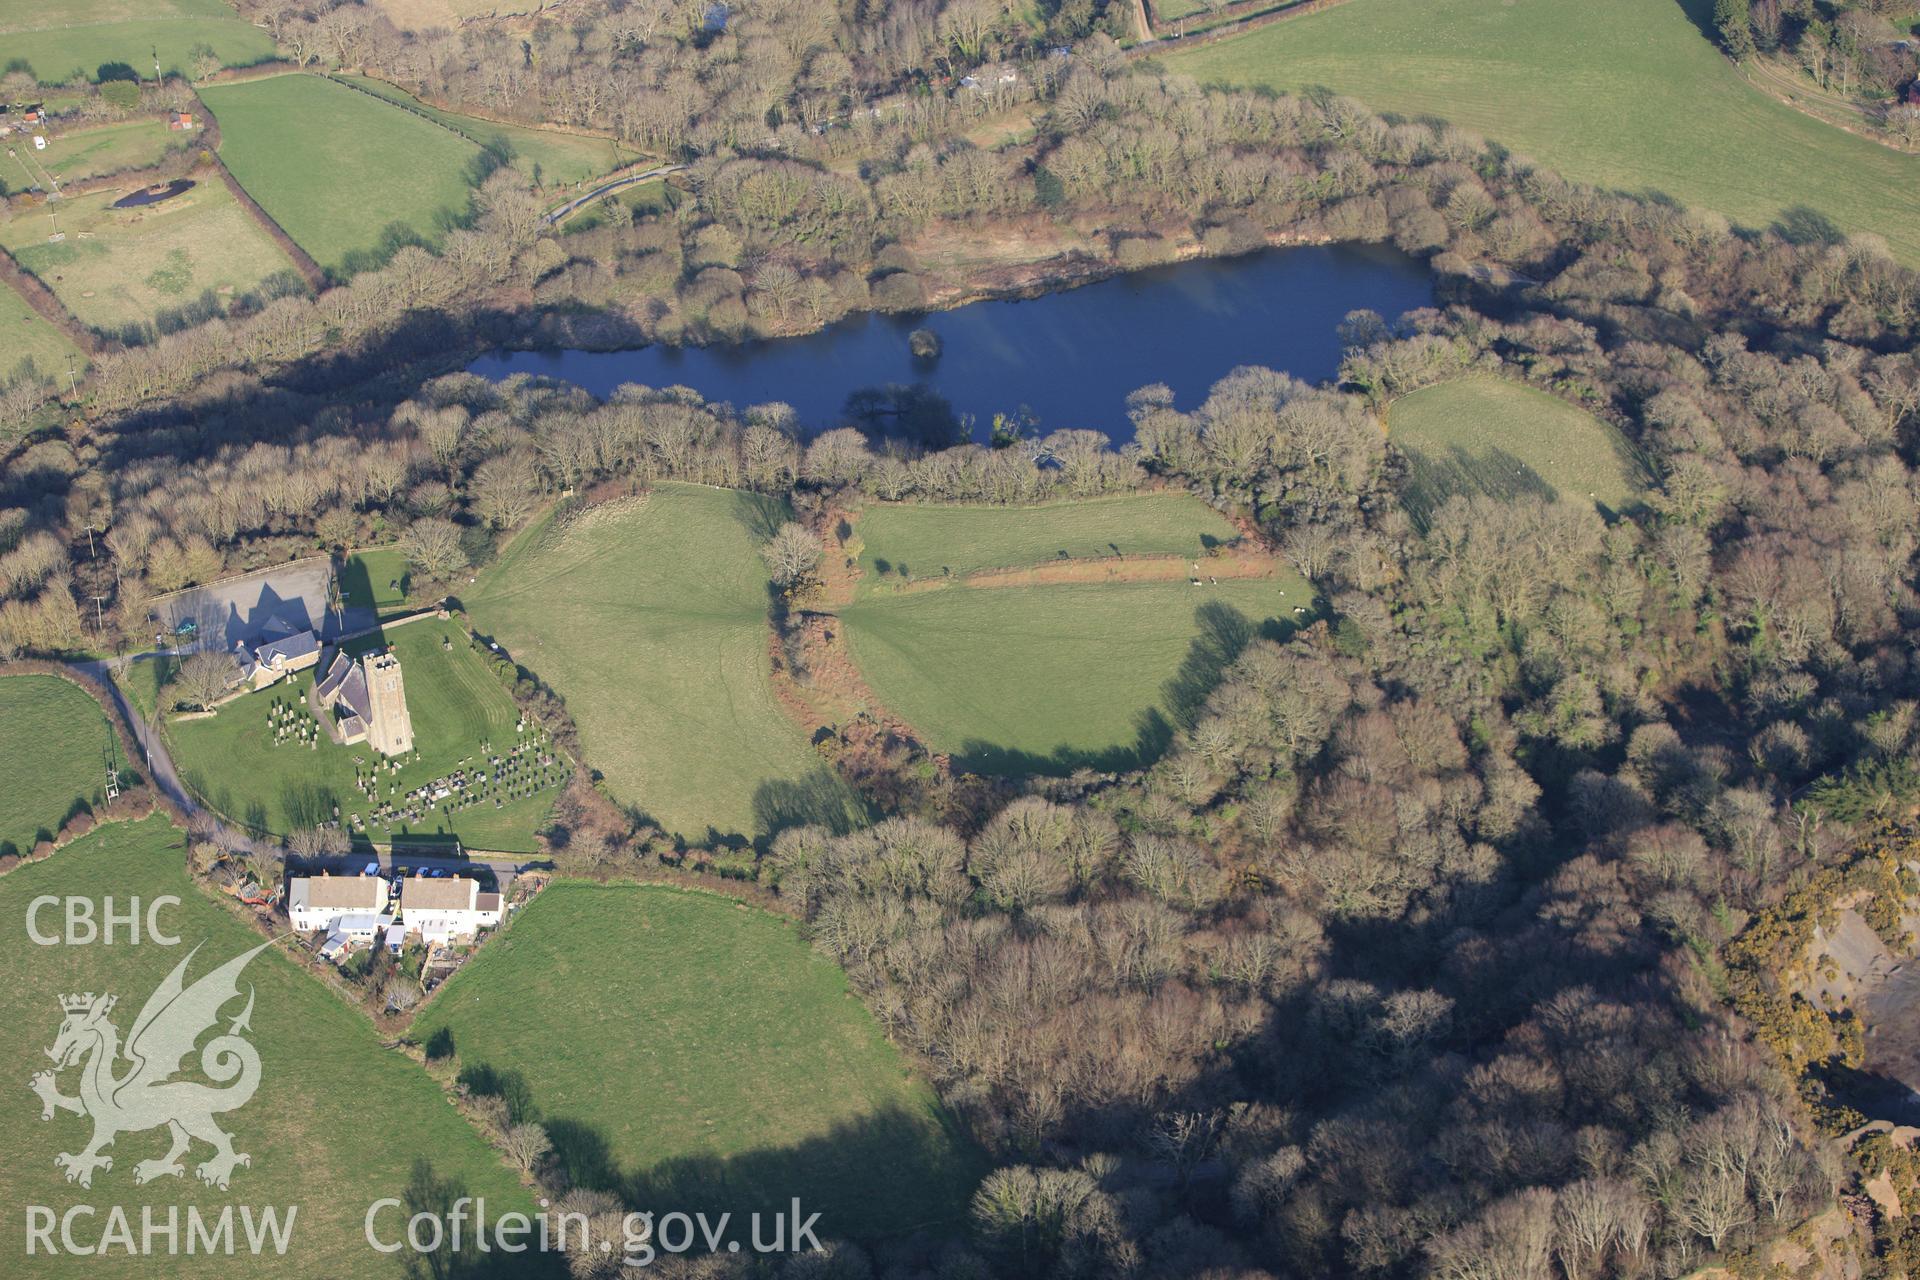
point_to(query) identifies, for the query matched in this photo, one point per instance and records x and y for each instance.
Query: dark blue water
(1068, 359)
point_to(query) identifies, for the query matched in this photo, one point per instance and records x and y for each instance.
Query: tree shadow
(393, 237)
(1801, 225)
(427, 1192)
(1153, 733)
(306, 804)
(905, 411)
(1223, 633)
(887, 1175)
(1434, 477)
(1700, 14)
(760, 517)
(819, 798)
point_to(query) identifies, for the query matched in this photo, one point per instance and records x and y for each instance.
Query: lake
(1066, 359)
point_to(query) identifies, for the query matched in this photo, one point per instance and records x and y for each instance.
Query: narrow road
(567, 210)
(159, 764)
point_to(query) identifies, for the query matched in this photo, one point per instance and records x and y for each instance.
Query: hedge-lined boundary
(46, 305)
(303, 262)
(1260, 13)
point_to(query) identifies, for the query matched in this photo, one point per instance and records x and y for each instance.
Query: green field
(54, 739)
(917, 541)
(699, 1055)
(457, 706)
(26, 336)
(1628, 94)
(58, 42)
(347, 176)
(651, 621)
(1481, 435)
(378, 579)
(84, 153)
(335, 1125)
(120, 270)
(1050, 679)
(1165, 11)
(548, 156)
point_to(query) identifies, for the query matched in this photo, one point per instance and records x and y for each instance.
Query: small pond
(1066, 359)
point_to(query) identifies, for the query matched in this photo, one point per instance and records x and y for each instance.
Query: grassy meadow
(349, 177)
(1629, 94)
(457, 706)
(1049, 679)
(906, 541)
(378, 579)
(336, 1124)
(57, 42)
(63, 732)
(1483, 435)
(650, 619)
(121, 270)
(698, 1054)
(28, 338)
(109, 148)
(548, 156)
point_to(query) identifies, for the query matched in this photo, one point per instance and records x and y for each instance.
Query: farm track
(1109, 569)
(1777, 82)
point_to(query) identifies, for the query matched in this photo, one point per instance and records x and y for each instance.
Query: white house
(320, 902)
(440, 910)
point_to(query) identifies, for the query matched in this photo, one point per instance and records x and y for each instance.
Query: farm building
(365, 701)
(441, 910)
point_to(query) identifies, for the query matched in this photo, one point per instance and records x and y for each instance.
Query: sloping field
(701, 1056)
(54, 739)
(349, 177)
(57, 42)
(548, 156)
(1628, 94)
(461, 715)
(650, 619)
(28, 337)
(907, 541)
(1055, 678)
(119, 270)
(1482, 435)
(335, 1125)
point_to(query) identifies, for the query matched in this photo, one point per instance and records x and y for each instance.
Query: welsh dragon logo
(144, 1095)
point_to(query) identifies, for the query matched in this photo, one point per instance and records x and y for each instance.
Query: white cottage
(440, 910)
(318, 902)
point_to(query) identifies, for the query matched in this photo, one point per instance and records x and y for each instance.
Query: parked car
(371, 869)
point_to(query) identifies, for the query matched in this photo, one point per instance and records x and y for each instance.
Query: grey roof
(288, 648)
(354, 696)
